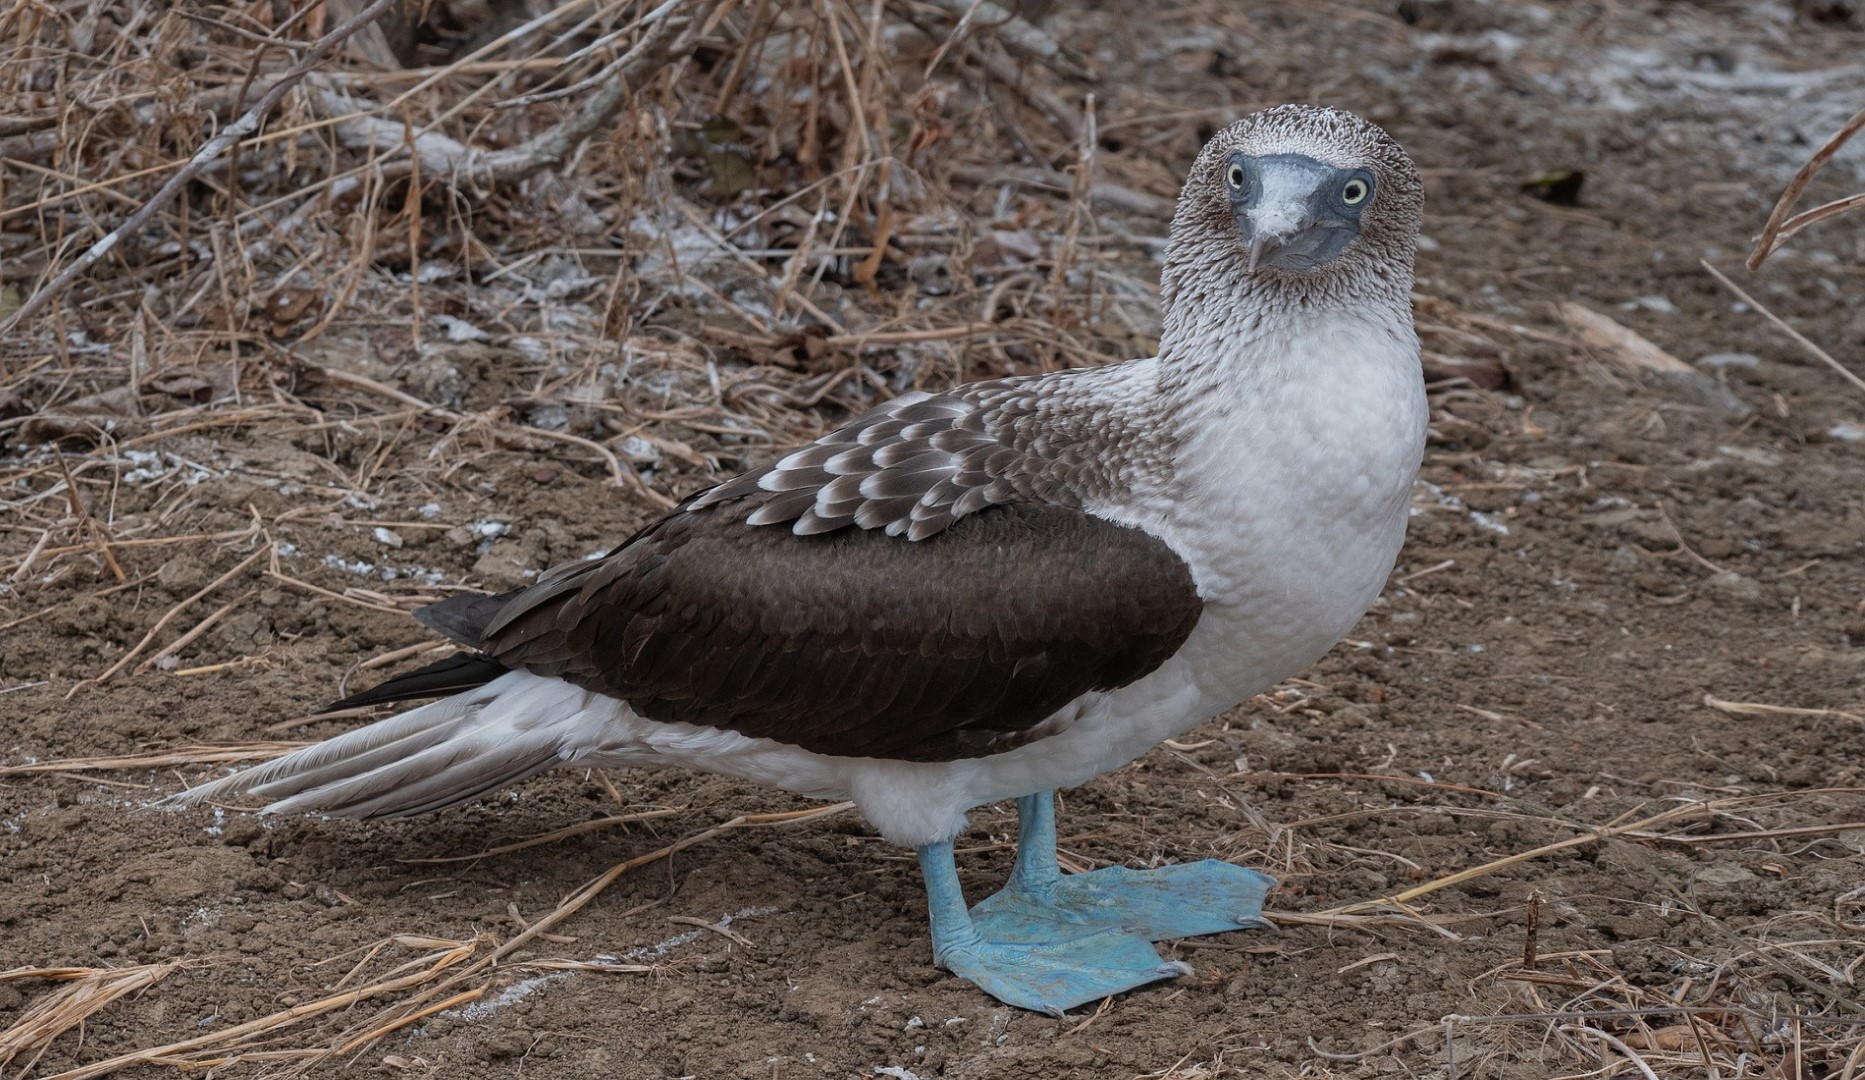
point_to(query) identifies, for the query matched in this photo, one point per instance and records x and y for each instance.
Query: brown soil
(1591, 557)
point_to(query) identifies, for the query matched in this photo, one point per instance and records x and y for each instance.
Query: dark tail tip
(451, 675)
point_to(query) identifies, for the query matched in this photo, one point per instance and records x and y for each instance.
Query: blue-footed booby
(992, 592)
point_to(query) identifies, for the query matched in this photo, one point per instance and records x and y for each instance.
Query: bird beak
(1271, 230)
(1281, 217)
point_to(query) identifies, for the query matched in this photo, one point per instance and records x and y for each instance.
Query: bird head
(1306, 197)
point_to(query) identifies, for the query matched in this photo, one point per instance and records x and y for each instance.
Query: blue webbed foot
(1049, 941)
(1049, 967)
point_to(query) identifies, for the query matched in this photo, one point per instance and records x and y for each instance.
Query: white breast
(1293, 505)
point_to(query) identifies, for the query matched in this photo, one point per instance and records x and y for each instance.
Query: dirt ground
(1593, 559)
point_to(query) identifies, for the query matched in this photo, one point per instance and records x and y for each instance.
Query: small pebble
(1660, 304)
(1725, 875)
(1734, 586)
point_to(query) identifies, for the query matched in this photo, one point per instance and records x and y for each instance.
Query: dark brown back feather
(853, 643)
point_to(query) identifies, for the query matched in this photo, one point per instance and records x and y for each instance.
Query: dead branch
(1780, 226)
(670, 32)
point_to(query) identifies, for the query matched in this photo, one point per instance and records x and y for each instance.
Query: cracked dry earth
(1591, 556)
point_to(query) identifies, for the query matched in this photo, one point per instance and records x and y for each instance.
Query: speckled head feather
(1206, 260)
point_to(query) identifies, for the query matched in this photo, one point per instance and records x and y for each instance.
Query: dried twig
(1755, 708)
(1635, 353)
(1614, 1042)
(184, 755)
(672, 29)
(271, 1025)
(555, 835)
(390, 1018)
(87, 992)
(1400, 899)
(1017, 34)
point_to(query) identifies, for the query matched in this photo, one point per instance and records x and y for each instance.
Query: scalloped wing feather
(911, 467)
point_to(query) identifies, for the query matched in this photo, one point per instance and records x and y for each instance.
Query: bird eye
(1234, 176)
(1354, 192)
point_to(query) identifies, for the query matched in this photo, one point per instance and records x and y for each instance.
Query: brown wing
(853, 643)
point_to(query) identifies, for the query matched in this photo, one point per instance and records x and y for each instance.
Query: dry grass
(163, 759)
(370, 193)
(1772, 998)
(1739, 1013)
(85, 992)
(1732, 1023)
(695, 223)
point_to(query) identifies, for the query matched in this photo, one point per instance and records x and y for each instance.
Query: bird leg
(1036, 871)
(1049, 941)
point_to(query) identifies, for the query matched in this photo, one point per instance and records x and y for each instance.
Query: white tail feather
(429, 758)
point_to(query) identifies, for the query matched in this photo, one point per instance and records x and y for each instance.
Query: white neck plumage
(1229, 340)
